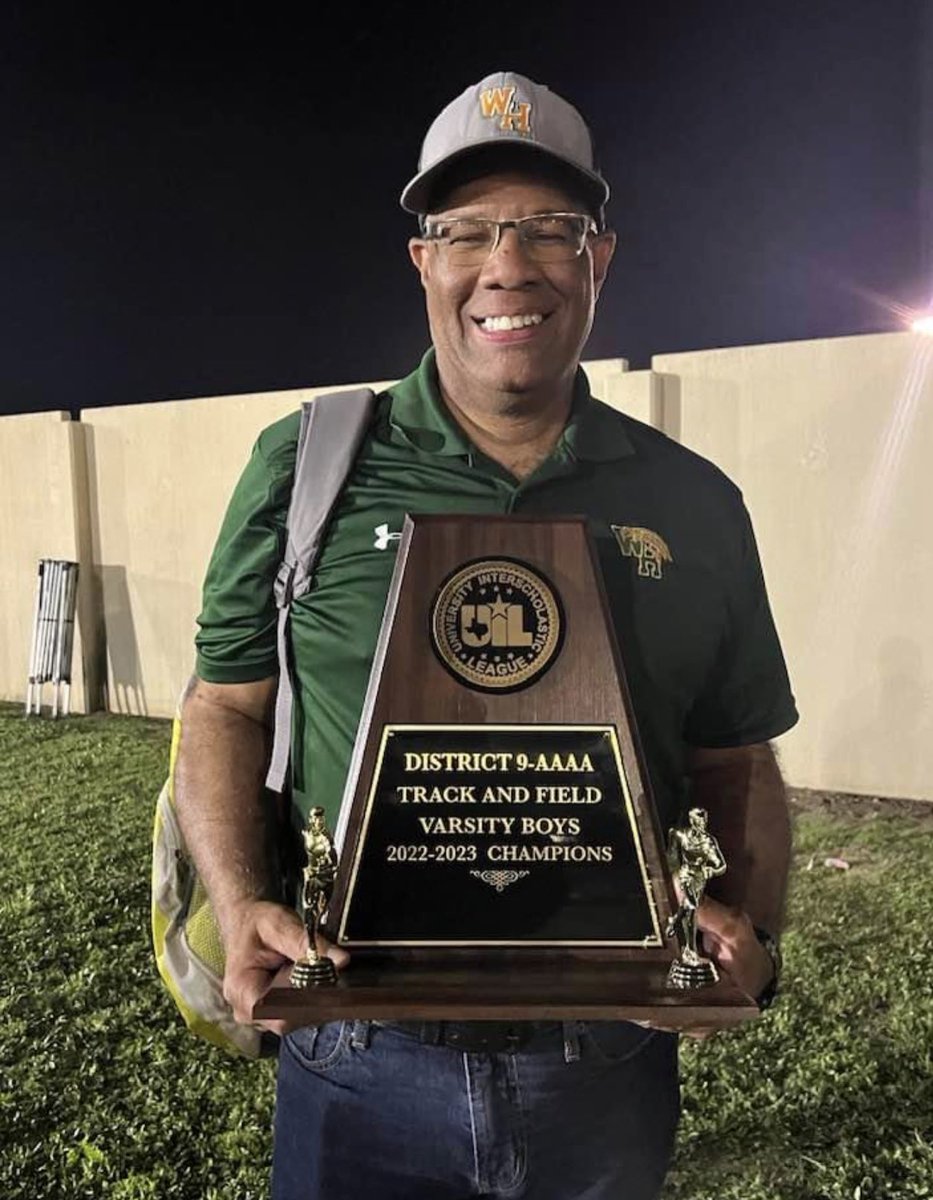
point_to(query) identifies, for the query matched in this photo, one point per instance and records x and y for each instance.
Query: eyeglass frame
(591, 229)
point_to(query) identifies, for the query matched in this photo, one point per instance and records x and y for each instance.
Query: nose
(509, 265)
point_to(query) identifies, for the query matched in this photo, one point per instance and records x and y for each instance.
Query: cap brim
(416, 195)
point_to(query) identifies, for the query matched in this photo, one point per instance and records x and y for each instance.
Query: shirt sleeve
(236, 642)
(746, 697)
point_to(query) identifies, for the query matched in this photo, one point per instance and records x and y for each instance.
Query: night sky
(207, 203)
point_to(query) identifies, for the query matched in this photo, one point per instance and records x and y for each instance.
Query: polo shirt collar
(594, 432)
(418, 417)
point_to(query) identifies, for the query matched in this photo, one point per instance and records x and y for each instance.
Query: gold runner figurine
(695, 859)
(315, 970)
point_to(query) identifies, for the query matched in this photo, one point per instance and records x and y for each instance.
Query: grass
(103, 1094)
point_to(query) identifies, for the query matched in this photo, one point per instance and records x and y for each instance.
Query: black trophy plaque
(499, 852)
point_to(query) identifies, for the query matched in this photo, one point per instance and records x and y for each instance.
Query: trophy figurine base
(687, 976)
(507, 991)
(319, 973)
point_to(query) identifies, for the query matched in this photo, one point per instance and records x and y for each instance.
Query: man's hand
(229, 826)
(730, 941)
(260, 938)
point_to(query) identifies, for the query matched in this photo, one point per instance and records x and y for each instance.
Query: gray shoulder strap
(332, 430)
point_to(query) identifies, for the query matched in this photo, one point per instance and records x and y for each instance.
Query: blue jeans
(585, 1111)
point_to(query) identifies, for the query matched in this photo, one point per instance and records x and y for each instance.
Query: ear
(604, 246)
(418, 253)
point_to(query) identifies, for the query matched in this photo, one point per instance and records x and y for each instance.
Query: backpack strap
(332, 430)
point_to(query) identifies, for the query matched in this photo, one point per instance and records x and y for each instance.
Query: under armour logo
(383, 537)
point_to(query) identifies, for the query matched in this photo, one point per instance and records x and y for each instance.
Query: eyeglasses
(544, 238)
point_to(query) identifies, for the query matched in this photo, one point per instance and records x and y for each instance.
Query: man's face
(460, 299)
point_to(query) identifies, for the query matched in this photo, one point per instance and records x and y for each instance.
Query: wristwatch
(766, 998)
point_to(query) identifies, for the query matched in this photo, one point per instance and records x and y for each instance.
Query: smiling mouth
(504, 323)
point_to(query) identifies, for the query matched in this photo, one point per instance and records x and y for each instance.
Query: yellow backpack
(186, 938)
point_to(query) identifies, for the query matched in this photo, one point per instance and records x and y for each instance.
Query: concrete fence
(829, 440)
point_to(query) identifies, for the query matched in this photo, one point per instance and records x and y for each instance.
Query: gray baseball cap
(506, 109)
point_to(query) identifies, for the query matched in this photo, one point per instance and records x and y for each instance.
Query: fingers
(337, 955)
(243, 988)
(265, 938)
(281, 930)
(730, 940)
(726, 931)
(722, 921)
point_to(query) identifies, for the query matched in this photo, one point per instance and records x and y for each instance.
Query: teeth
(500, 323)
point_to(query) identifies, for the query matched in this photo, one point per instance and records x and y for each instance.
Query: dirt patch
(845, 804)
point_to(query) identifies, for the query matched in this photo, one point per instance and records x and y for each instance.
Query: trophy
(498, 851)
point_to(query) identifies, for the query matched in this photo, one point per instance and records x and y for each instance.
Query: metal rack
(53, 635)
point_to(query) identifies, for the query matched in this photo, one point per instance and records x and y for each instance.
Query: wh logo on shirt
(648, 548)
(500, 102)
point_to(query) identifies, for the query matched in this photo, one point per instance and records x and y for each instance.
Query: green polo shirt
(675, 543)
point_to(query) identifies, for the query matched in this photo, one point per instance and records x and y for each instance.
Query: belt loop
(359, 1038)
(571, 1041)
(431, 1032)
(513, 1039)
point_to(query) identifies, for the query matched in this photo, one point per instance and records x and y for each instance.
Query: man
(512, 253)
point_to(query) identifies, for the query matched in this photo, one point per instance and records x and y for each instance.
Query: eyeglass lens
(551, 237)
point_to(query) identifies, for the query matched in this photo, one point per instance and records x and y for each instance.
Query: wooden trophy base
(540, 991)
